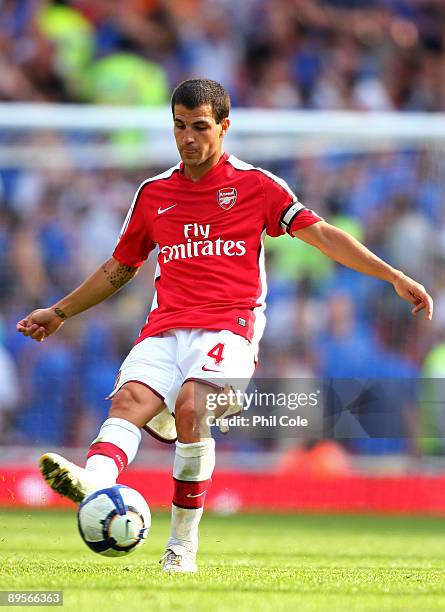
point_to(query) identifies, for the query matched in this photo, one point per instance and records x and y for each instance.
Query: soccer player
(208, 216)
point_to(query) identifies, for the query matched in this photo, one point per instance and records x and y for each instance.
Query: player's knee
(135, 403)
(124, 403)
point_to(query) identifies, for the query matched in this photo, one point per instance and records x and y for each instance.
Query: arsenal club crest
(227, 197)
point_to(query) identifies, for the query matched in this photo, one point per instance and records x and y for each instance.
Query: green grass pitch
(247, 562)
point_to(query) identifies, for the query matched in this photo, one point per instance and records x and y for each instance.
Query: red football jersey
(210, 272)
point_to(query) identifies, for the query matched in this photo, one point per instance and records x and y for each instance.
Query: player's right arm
(103, 283)
(133, 248)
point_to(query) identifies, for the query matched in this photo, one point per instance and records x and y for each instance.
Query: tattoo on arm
(120, 275)
(59, 312)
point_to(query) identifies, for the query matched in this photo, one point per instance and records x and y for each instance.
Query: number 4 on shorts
(216, 353)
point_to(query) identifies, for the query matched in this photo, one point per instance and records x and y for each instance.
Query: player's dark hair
(196, 92)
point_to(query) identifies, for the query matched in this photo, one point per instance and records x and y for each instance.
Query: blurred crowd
(323, 320)
(323, 54)
(58, 225)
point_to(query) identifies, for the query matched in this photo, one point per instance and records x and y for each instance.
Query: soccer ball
(114, 521)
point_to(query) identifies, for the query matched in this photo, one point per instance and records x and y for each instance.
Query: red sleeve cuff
(303, 219)
(126, 262)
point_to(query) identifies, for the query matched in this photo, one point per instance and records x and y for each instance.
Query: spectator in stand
(9, 393)
(306, 53)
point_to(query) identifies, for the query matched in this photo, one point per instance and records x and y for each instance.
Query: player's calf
(192, 470)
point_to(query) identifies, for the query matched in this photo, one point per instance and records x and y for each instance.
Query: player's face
(198, 136)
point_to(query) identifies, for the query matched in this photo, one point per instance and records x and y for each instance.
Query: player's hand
(413, 292)
(40, 324)
(224, 413)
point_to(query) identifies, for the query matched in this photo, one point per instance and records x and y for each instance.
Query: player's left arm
(344, 248)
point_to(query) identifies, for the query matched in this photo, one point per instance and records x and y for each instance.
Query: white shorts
(164, 362)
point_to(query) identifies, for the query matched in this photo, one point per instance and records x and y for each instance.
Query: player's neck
(195, 173)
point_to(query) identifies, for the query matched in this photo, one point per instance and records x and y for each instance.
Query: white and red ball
(114, 521)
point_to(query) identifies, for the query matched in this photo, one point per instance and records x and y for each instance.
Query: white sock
(184, 529)
(192, 471)
(102, 468)
(113, 449)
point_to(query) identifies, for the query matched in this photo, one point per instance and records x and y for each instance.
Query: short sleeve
(135, 244)
(283, 211)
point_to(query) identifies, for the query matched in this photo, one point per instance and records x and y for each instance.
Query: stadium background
(57, 225)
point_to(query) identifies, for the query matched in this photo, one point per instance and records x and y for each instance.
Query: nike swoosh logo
(197, 495)
(163, 210)
(209, 369)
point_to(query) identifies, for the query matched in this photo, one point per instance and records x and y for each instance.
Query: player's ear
(225, 124)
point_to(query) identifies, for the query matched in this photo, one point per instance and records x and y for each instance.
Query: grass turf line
(247, 562)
